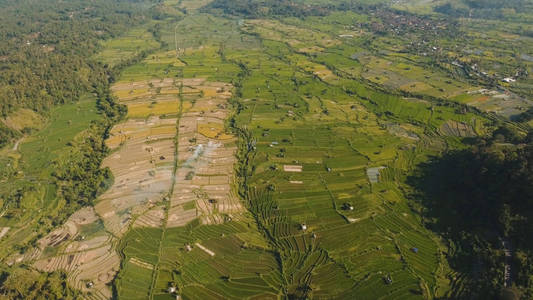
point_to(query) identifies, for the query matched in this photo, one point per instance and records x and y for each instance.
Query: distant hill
(512, 10)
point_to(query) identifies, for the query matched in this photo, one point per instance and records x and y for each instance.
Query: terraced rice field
(206, 157)
(171, 165)
(251, 167)
(82, 248)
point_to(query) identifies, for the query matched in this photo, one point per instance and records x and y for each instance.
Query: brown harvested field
(98, 266)
(143, 160)
(136, 130)
(143, 163)
(460, 129)
(292, 168)
(69, 229)
(152, 218)
(506, 104)
(85, 259)
(149, 97)
(3, 231)
(206, 155)
(142, 167)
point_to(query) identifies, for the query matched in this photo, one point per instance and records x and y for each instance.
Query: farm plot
(142, 162)
(127, 46)
(397, 72)
(315, 143)
(206, 157)
(83, 249)
(142, 166)
(173, 163)
(143, 158)
(297, 37)
(332, 222)
(217, 262)
(176, 138)
(504, 103)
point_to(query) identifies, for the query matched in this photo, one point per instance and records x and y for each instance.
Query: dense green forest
(27, 284)
(479, 198)
(46, 62)
(45, 52)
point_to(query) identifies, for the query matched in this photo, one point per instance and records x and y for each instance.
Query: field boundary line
(155, 274)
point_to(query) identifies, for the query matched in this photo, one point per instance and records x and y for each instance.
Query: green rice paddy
(301, 99)
(334, 131)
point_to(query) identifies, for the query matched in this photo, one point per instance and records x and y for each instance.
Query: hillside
(271, 149)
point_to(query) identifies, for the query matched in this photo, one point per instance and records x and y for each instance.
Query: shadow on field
(460, 191)
(461, 195)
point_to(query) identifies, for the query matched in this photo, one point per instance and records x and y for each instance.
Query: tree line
(46, 61)
(478, 198)
(46, 50)
(509, 10)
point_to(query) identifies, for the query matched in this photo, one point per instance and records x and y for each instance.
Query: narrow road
(155, 273)
(507, 267)
(176, 39)
(16, 146)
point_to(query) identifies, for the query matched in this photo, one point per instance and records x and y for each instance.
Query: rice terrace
(278, 149)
